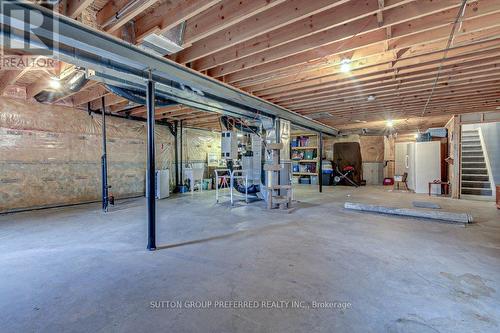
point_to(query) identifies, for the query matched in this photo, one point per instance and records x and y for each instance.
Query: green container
(308, 155)
(207, 184)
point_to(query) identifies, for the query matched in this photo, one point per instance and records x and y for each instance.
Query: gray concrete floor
(77, 269)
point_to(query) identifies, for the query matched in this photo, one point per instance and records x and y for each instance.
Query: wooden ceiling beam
(168, 15)
(223, 15)
(120, 107)
(10, 77)
(85, 96)
(399, 105)
(309, 25)
(186, 114)
(88, 85)
(110, 99)
(181, 112)
(327, 81)
(36, 87)
(441, 92)
(141, 111)
(340, 40)
(391, 87)
(264, 22)
(368, 56)
(75, 7)
(112, 10)
(396, 113)
(399, 124)
(447, 111)
(386, 79)
(343, 28)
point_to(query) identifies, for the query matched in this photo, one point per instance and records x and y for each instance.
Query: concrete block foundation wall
(51, 155)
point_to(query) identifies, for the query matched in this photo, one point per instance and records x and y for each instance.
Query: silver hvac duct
(118, 63)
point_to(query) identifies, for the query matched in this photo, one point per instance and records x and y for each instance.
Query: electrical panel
(229, 145)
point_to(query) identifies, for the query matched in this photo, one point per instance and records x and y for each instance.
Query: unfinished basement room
(250, 166)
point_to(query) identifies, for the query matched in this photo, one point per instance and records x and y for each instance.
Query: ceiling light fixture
(54, 83)
(370, 98)
(345, 65)
(389, 123)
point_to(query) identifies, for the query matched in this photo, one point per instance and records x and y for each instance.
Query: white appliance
(422, 162)
(162, 183)
(229, 145)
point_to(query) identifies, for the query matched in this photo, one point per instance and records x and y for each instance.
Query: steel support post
(320, 160)
(150, 168)
(104, 160)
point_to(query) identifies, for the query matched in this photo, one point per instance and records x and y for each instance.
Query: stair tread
(476, 188)
(476, 181)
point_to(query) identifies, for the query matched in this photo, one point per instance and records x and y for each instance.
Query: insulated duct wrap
(197, 143)
(50, 155)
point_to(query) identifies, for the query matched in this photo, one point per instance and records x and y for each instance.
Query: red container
(388, 181)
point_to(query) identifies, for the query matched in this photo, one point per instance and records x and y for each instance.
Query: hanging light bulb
(54, 83)
(345, 65)
(389, 123)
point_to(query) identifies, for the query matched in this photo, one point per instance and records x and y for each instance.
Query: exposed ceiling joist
(117, 13)
(76, 7)
(278, 16)
(170, 14)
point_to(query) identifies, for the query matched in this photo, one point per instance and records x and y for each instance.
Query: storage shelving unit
(304, 145)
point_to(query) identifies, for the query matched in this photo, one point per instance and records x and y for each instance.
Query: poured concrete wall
(51, 155)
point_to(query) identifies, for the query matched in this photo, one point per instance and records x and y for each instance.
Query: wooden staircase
(475, 179)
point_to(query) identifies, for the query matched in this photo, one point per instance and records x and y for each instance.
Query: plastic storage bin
(304, 180)
(308, 155)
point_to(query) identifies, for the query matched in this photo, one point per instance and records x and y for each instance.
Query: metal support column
(150, 169)
(104, 160)
(320, 160)
(176, 153)
(181, 146)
